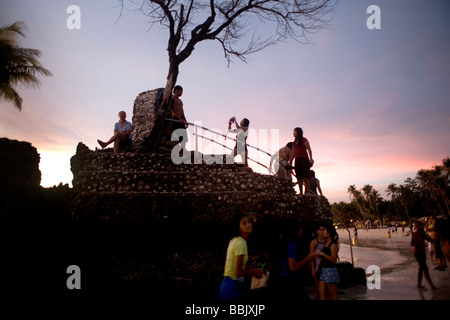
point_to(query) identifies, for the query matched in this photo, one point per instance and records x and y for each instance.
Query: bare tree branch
(258, 23)
(228, 22)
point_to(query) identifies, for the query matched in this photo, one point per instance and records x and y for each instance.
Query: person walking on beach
(329, 275)
(316, 247)
(122, 134)
(232, 286)
(303, 160)
(418, 241)
(355, 231)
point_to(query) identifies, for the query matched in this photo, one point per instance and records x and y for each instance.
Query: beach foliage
(426, 194)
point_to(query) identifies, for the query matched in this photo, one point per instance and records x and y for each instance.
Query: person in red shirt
(418, 241)
(303, 160)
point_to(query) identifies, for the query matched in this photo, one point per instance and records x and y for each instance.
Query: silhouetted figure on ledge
(122, 134)
(241, 138)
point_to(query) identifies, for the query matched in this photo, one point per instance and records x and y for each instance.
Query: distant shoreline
(398, 267)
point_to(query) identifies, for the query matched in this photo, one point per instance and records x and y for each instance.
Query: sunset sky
(374, 104)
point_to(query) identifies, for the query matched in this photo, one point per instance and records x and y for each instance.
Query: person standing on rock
(303, 162)
(179, 125)
(281, 162)
(232, 286)
(122, 134)
(314, 184)
(241, 138)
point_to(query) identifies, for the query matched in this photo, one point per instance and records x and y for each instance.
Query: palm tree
(356, 197)
(392, 190)
(367, 190)
(445, 169)
(378, 201)
(352, 192)
(436, 184)
(406, 194)
(17, 65)
(446, 165)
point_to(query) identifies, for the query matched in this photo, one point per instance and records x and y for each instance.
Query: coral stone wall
(144, 113)
(133, 186)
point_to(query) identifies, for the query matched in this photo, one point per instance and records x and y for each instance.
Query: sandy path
(398, 266)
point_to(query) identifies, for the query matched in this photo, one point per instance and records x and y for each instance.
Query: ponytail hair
(332, 231)
(299, 138)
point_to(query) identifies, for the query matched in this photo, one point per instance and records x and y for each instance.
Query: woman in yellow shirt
(232, 286)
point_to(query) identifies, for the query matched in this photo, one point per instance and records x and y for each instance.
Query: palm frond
(8, 34)
(10, 94)
(17, 65)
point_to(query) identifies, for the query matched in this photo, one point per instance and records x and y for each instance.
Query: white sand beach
(398, 266)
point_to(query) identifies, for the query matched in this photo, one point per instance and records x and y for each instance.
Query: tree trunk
(153, 141)
(159, 126)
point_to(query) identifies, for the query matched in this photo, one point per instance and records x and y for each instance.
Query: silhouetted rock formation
(145, 222)
(33, 224)
(144, 113)
(19, 165)
(21, 177)
(139, 186)
(174, 218)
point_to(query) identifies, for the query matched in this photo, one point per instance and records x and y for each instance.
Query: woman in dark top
(303, 159)
(295, 258)
(329, 275)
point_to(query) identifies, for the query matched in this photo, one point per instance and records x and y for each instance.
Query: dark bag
(350, 276)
